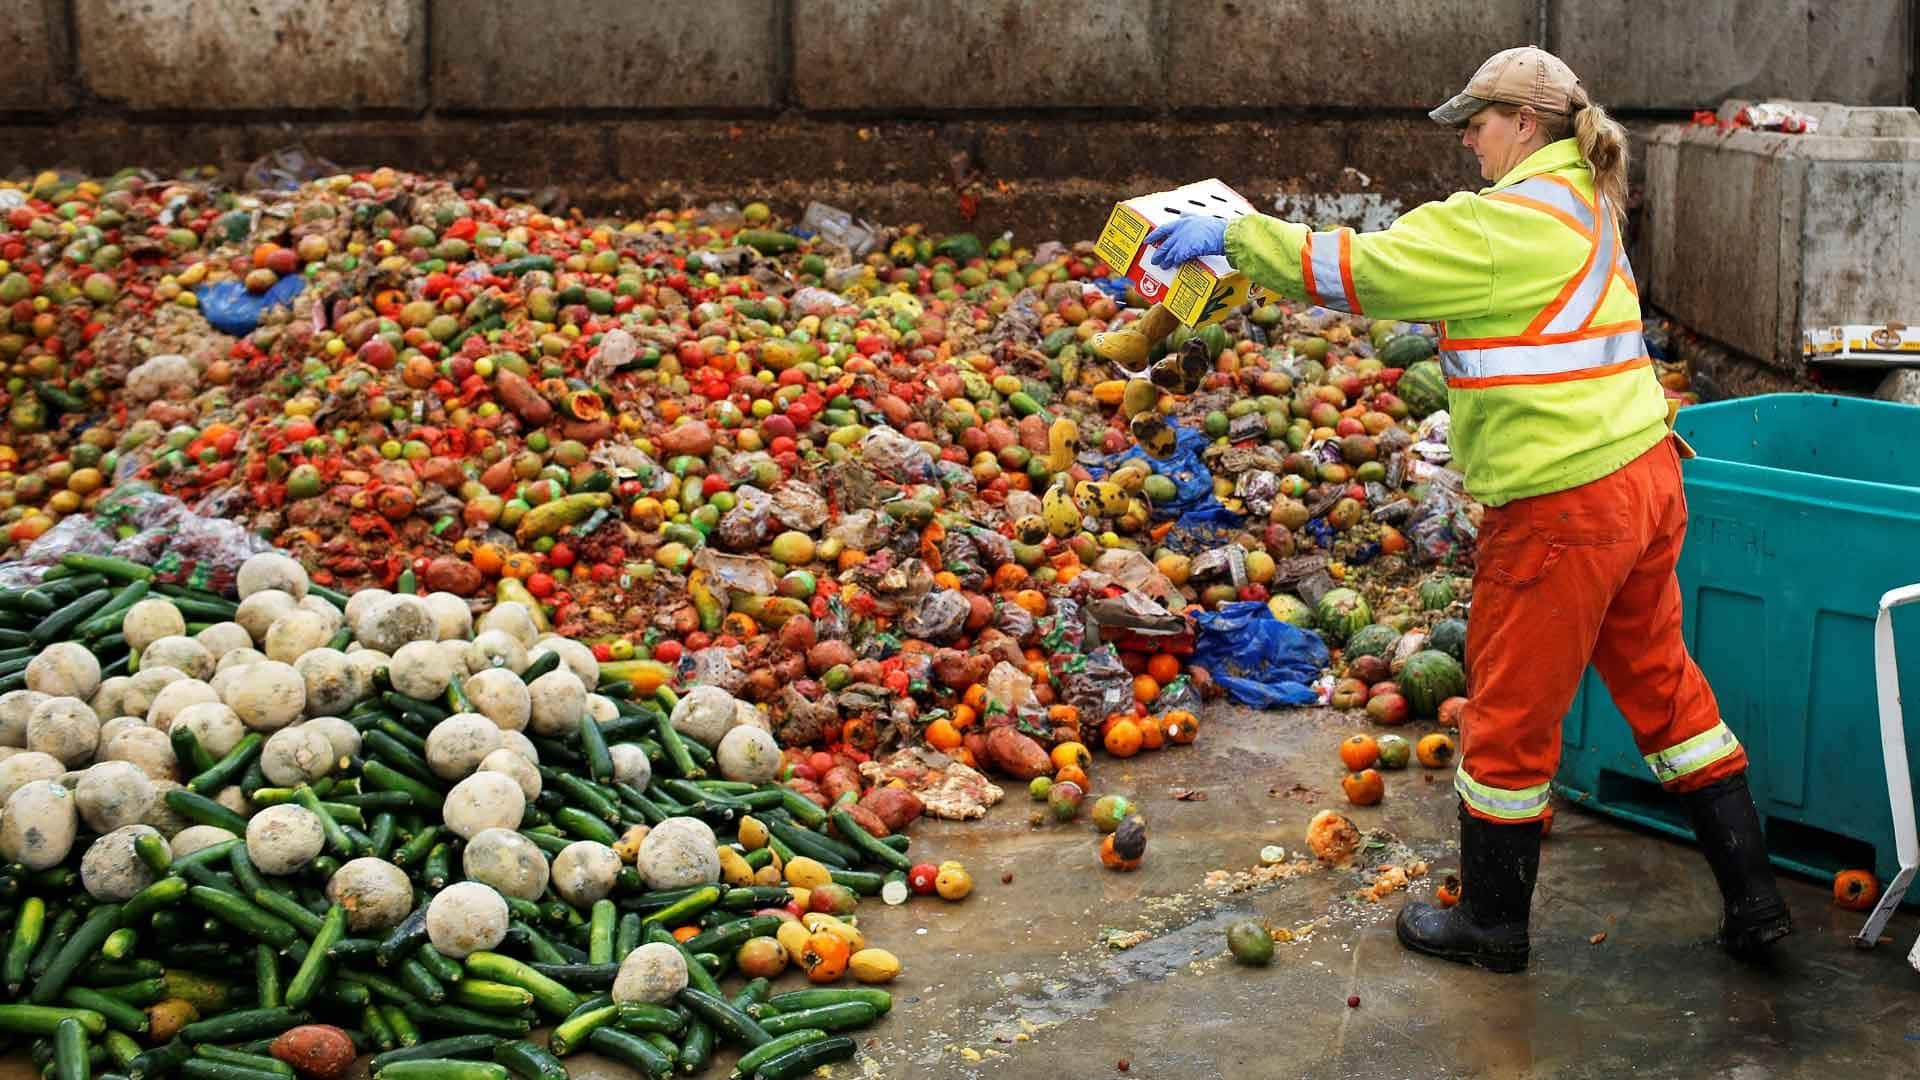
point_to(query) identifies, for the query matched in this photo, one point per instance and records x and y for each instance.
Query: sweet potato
(897, 807)
(808, 790)
(839, 780)
(318, 1050)
(519, 396)
(1016, 755)
(866, 819)
(975, 743)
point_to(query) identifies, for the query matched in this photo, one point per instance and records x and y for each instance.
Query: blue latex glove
(1188, 238)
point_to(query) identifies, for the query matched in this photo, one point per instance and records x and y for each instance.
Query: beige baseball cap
(1521, 76)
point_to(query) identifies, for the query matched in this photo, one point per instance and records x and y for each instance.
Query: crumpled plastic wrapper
(938, 617)
(799, 507)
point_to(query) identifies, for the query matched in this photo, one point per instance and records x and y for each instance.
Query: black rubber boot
(1488, 927)
(1728, 829)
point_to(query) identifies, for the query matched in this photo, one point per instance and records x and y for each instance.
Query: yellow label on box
(1201, 291)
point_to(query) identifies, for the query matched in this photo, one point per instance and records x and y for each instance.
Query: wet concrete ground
(1018, 982)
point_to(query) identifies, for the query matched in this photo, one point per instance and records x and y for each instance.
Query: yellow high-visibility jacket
(1548, 381)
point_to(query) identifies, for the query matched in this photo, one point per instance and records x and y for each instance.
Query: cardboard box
(1862, 344)
(1199, 291)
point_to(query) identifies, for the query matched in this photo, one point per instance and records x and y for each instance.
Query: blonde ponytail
(1603, 142)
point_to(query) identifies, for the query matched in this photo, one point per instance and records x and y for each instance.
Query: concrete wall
(1042, 112)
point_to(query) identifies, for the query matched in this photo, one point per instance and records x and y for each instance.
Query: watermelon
(1436, 593)
(1291, 609)
(1377, 639)
(1430, 678)
(1450, 637)
(1406, 350)
(1340, 614)
(1423, 388)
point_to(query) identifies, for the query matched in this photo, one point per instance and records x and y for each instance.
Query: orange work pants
(1571, 578)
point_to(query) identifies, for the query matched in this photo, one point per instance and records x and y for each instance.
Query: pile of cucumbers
(198, 973)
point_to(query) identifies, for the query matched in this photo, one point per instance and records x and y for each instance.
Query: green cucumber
(700, 899)
(54, 627)
(70, 1051)
(457, 1046)
(383, 778)
(227, 770)
(84, 943)
(29, 927)
(405, 1032)
(593, 743)
(796, 1000)
(804, 1059)
(729, 1023)
(443, 1069)
(43, 1019)
(641, 1017)
(243, 1024)
(552, 998)
(867, 844)
(256, 1062)
(243, 915)
(600, 932)
(847, 1014)
(631, 1051)
(120, 1014)
(201, 810)
(529, 1062)
(773, 1048)
(289, 909)
(489, 996)
(313, 969)
(268, 991)
(728, 937)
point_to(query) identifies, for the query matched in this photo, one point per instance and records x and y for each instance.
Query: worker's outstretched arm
(1433, 264)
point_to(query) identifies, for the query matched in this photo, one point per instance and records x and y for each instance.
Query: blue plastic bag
(232, 309)
(1192, 480)
(1257, 659)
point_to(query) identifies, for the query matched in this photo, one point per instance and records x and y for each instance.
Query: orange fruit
(1123, 739)
(1153, 734)
(1071, 754)
(1164, 668)
(1073, 774)
(1364, 788)
(1145, 689)
(1359, 751)
(1182, 727)
(942, 735)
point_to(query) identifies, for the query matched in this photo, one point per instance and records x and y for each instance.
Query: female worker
(1564, 435)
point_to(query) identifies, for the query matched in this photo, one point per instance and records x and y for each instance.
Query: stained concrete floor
(1017, 981)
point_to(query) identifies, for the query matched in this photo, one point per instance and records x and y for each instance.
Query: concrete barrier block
(1354, 54)
(262, 54)
(860, 55)
(607, 54)
(33, 39)
(1676, 54)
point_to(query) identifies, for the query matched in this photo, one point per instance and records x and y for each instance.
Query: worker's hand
(1188, 238)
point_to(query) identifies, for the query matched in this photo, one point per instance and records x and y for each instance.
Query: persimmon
(1164, 668)
(1364, 788)
(1009, 577)
(1153, 733)
(1032, 601)
(683, 933)
(1182, 727)
(1111, 859)
(976, 697)
(1434, 750)
(1447, 893)
(1123, 740)
(1071, 754)
(740, 625)
(964, 717)
(1145, 689)
(942, 735)
(1855, 890)
(825, 957)
(1359, 751)
(1072, 774)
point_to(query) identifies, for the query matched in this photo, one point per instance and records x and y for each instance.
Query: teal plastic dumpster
(1803, 510)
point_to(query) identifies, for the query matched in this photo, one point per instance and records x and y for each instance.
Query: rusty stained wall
(1042, 113)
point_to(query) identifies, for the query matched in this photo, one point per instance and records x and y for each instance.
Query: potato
(748, 754)
(334, 683)
(164, 817)
(38, 825)
(282, 839)
(452, 618)
(584, 872)
(198, 838)
(602, 709)
(359, 604)
(111, 728)
(704, 713)
(150, 620)
(112, 794)
(175, 698)
(67, 669)
(145, 687)
(224, 637)
(513, 618)
(296, 755)
(106, 701)
(457, 745)
(376, 894)
(520, 744)
(367, 663)
(321, 1051)
(466, 917)
(510, 762)
(484, 800)
(1017, 754)
(500, 696)
(267, 696)
(271, 570)
(652, 974)
(15, 707)
(215, 724)
(576, 657)
(295, 634)
(508, 862)
(344, 737)
(421, 669)
(66, 728)
(334, 618)
(630, 765)
(678, 853)
(397, 621)
(559, 699)
(146, 748)
(111, 871)
(497, 649)
(237, 658)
